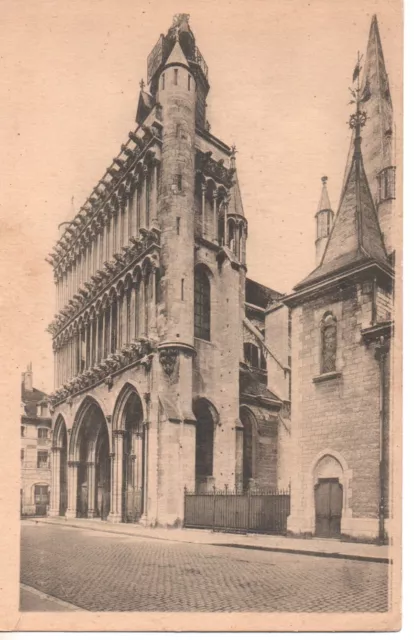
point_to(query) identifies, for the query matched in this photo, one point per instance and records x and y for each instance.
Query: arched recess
(207, 419)
(249, 423)
(331, 493)
(202, 302)
(129, 418)
(60, 442)
(90, 448)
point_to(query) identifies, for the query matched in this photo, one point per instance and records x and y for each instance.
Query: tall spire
(378, 143)
(324, 220)
(356, 235)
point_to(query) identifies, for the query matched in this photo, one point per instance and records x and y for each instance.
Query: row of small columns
(108, 236)
(130, 315)
(116, 458)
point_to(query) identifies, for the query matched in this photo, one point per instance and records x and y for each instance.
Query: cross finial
(359, 118)
(142, 84)
(233, 149)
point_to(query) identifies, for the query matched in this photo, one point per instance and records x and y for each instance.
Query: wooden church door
(328, 508)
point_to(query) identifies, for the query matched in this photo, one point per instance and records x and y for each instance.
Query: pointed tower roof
(146, 103)
(324, 202)
(177, 56)
(236, 204)
(378, 143)
(356, 236)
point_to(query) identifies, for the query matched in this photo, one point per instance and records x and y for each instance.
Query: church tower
(341, 334)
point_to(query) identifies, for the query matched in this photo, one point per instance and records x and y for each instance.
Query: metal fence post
(248, 508)
(214, 506)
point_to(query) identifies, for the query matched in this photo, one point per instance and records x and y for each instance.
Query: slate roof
(356, 235)
(236, 204)
(259, 295)
(31, 399)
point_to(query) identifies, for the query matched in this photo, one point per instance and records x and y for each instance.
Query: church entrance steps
(281, 544)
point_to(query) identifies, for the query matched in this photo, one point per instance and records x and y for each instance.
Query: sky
(279, 73)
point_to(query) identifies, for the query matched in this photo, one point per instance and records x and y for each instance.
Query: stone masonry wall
(340, 414)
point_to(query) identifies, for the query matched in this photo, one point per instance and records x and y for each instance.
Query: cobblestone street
(113, 572)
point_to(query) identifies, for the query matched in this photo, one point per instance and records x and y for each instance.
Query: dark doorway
(328, 508)
(41, 496)
(204, 445)
(103, 475)
(133, 460)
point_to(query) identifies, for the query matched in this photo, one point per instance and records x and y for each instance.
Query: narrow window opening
(178, 226)
(175, 76)
(182, 289)
(163, 81)
(189, 82)
(179, 182)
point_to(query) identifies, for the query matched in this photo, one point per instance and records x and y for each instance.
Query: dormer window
(386, 184)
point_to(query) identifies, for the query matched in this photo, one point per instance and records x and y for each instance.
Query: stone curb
(235, 545)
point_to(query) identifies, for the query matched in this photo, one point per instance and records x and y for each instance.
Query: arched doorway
(130, 464)
(204, 459)
(59, 494)
(328, 489)
(93, 468)
(133, 460)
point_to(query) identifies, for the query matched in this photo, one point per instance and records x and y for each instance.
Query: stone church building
(175, 371)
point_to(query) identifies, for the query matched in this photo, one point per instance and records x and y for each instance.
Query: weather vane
(359, 118)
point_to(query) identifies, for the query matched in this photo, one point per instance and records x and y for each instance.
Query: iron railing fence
(224, 510)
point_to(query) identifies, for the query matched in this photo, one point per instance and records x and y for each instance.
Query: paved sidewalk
(34, 600)
(312, 547)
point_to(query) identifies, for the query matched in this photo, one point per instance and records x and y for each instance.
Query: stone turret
(324, 221)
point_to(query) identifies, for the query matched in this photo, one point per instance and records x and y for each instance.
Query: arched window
(232, 236)
(328, 343)
(202, 304)
(254, 356)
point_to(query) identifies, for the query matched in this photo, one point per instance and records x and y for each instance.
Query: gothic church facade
(176, 371)
(164, 380)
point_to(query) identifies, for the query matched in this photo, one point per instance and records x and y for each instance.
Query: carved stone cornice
(139, 352)
(215, 169)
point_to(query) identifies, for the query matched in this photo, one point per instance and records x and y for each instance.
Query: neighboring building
(36, 427)
(341, 318)
(168, 373)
